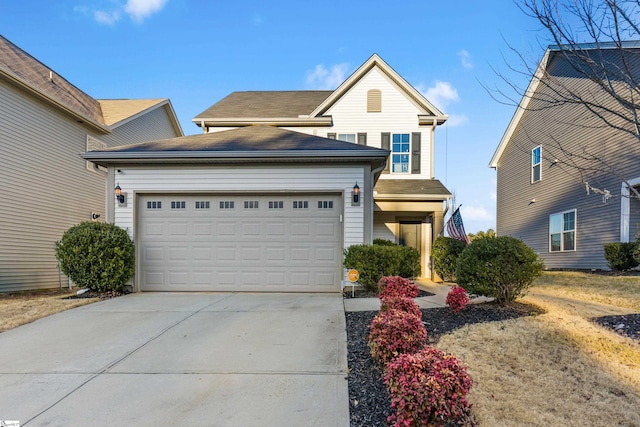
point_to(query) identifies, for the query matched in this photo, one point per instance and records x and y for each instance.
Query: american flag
(455, 227)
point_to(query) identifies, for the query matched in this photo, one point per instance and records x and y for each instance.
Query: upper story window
(400, 152)
(348, 137)
(374, 101)
(562, 231)
(536, 164)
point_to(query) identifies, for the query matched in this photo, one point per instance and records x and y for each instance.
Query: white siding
(384, 226)
(244, 179)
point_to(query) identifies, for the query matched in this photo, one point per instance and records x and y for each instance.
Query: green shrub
(395, 332)
(96, 255)
(445, 253)
(375, 261)
(621, 256)
(502, 268)
(384, 242)
(427, 388)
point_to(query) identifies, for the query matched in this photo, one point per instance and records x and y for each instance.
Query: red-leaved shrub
(457, 299)
(427, 388)
(396, 286)
(395, 332)
(400, 303)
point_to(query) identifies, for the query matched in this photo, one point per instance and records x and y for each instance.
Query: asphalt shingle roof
(406, 187)
(265, 104)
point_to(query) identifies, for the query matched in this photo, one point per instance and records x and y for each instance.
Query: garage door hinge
(340, 218)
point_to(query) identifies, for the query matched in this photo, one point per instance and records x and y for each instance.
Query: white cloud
(440, 95)
(465, 59)
(322, 78)
(107, 18)
(138, 10)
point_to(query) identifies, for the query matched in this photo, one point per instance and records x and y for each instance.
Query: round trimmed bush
(395, 332)
(445, 252)
(502, 268)
(400, 303)
(96, 255)
(396, 286)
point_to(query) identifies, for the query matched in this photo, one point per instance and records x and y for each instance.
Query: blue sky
(197, 52)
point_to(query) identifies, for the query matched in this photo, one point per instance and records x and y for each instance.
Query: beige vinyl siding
(283, 179)
(47, 188)
(152, 126)
(561, 188)
(384, 226)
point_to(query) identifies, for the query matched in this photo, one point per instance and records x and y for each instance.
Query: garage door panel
(239, 243)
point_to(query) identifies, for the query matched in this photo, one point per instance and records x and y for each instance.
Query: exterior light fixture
(120, 196)
(355, 195)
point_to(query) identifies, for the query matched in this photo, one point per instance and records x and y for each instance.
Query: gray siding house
(45, 123)
(565, 169)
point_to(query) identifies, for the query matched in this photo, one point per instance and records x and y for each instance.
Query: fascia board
(522, 107)
(18, 82)
(270, 121)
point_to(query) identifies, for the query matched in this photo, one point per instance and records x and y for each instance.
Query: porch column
(436, 231)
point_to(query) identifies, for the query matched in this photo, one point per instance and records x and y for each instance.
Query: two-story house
(45, 123)
(567, 163)
(265, 198)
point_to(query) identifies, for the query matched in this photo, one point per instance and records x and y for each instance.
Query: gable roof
(554, 61)
(29, 74)
(375, 61)
(117, 112)
(304, 107)
(250, 143)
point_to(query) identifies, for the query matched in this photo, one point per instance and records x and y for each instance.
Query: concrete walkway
(373, 304)
(194, 359)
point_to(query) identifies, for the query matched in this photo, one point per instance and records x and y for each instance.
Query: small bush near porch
(376, 261)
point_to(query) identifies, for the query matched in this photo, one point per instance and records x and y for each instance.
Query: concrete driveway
(218, 359)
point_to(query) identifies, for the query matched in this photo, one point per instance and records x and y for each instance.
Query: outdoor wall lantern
(355, 195)
(120, 196)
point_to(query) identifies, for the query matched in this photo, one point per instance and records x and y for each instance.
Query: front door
(410, 234)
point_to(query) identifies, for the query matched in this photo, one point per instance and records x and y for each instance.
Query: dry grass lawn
(19, 308)
(558, 368)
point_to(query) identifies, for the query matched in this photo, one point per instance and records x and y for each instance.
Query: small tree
(445, 253)
(96, 255)
(502, 268)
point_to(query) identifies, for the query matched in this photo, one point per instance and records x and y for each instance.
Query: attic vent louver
(374, 101)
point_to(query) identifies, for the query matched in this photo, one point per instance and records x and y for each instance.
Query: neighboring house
(563, 175)
(263, 200)
(45, 123)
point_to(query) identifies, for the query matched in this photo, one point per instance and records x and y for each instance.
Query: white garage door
(260, 243)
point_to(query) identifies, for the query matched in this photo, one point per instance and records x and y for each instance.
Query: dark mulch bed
(101, 295)
(361, 293)
(627, 325)
(369, 404)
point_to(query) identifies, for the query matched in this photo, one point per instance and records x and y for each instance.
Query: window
(154, 205)
(300, 204)
(348, 137)
(178, 205)
(227, 204)
(251, 204)
(325, 204)
(203, 205)
(276, 204)
(562, 231)
(400, 152)
(536, 162)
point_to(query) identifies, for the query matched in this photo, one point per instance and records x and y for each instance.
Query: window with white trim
(178, 205)
(251, 204)
(227, 204)
(562, 231)
(400, 153)
(203, 205)
(276, 204)
(536, 164)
